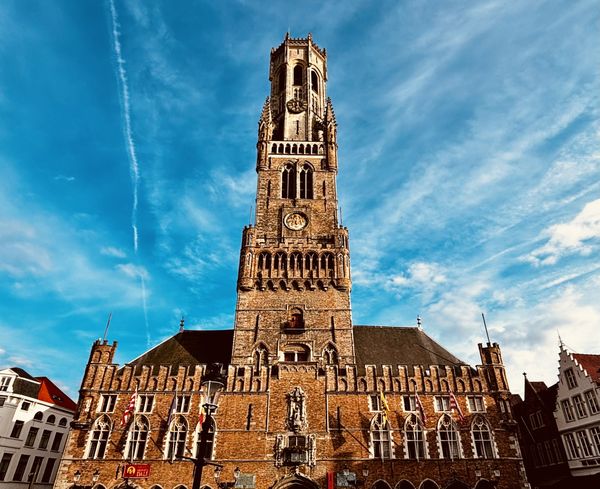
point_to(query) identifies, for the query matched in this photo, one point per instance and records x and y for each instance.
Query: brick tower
(294, 275)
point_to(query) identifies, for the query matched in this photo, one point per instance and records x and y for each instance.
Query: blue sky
(469, 169)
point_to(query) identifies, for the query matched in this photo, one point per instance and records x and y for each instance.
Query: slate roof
(374, 345)
(190, 348)
(395, 345)
(591, 364)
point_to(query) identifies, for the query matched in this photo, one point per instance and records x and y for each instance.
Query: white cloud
(419, 275)
(64, 178)
(112, 251)
(574, 237)
(133, 271)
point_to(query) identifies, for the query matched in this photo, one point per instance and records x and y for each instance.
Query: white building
(34, 421)
(578, 411)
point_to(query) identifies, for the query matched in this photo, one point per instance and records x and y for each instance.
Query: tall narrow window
(99, 437)
(448, 438)
(571, 380)
(137, 439)
(415, 437)
(314, 81)
(210, 440)
(176, 439)
(6, 458)
(482, 438)
(381, 437)
(306, 182)
(288, 182)
(281, 80)
(298, 78)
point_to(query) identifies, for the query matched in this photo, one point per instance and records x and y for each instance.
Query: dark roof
(190, 348)
(538, 386)
(22, 373)
(591, 364)
(395, 345)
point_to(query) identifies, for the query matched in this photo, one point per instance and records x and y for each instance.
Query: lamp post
(212, 383)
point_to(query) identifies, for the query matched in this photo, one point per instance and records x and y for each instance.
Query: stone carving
(295, 221)
(296, 419)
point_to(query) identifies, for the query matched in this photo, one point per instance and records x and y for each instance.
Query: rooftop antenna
(107, 325)
(181, 324)
(486, 330)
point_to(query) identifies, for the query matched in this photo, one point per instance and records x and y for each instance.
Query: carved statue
(296, 419)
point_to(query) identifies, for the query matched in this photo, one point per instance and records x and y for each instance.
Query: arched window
(288, 182)
(484, 484)
(38, 416)
(280, 263)
(51, 419)
(137, 438)
(380, 485)
(298, 78)
(482, 438)
(330, 355)
(404, 484)
(210, 439)
(99, 437)
(306, 182)
(456, 484)
(314, 81)
(381, 437)
(448, 438)
(62, 422)
(296, 320)
(261, 356)
(296, 264)
(415, 438)
(176, 438)
(428, 484)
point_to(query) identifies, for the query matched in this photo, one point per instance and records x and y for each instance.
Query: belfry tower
(294, 276)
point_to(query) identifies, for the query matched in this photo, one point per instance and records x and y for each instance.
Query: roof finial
(181, 324)
(560, 341)
(419, 322)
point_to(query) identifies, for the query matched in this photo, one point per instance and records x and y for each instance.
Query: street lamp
(212, 383)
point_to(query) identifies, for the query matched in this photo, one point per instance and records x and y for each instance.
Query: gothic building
(310, 400)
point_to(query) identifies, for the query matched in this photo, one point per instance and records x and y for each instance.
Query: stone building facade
(310, 400)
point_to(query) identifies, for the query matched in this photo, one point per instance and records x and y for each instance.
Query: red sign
(136, 471)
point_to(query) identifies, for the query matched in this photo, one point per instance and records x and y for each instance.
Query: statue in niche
(296, 419)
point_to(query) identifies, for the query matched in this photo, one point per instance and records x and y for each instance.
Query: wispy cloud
(579, 236)
(64, 178)
(112, 251)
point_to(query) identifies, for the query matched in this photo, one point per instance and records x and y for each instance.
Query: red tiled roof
(51, 393)
(591, 364)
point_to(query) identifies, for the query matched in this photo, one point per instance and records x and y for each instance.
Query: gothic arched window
(448, 438)
(261, 356)
(415, 438)
(176, 438)
(482, 438)
(330, 355)
(137, 438)
(306, 182)
(288, 182)
(99, 437)
(210, 439)
(298, 78)
(296, 353)
(314, 81)
(381, 437)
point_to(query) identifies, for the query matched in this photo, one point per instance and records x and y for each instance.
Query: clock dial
(295, 221)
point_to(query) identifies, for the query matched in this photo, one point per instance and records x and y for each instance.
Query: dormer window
(4, 383)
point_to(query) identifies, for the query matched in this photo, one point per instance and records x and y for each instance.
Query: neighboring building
(541, 445)
(310, 400)
(34, 423)
(577, 414)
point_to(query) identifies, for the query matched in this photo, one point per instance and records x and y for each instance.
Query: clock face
(295, 221)
(295, 105)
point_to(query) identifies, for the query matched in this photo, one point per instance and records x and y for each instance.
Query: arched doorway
(484, 484)
(296, 481)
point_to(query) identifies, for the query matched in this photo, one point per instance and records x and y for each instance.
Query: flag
(419, 406)
(172, 410)
(201, 411)
(129, 410)
(384, 405)
(454, 406)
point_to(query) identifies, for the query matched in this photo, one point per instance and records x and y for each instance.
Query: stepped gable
(398, 345)
(591, 364)
(192, 347)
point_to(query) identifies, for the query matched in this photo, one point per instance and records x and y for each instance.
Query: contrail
(133, 161)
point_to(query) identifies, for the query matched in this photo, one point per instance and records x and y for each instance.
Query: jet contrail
(133, 161)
